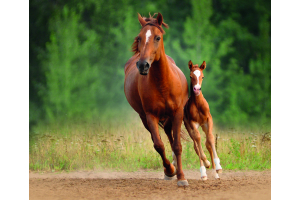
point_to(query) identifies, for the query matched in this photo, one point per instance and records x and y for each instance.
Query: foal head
(149, 42)
(196, 76)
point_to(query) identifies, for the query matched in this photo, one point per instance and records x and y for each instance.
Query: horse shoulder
(130, 63)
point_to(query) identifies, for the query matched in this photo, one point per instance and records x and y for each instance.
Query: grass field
(128, 147)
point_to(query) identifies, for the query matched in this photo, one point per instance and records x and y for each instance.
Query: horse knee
(208, 144)
(159, 146)
(197, 137)
(177, 149)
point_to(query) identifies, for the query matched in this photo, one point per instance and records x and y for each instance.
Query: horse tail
(183, 134)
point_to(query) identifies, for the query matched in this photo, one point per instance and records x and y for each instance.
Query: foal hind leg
(210, 145)
(195, 135)
(152, 124)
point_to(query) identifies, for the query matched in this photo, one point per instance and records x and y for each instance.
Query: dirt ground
(148, 185)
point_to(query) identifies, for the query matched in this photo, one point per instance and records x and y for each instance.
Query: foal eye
(203, 77)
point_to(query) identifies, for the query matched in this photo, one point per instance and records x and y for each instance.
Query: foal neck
(197, 100)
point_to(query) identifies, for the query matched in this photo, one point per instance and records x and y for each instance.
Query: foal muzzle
(143, 67)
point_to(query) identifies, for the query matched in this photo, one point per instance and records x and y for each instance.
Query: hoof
(204, 178)
(170, 175)
(217, 176)
(219, 171)
(182, 183)
(207, 164)
(168, 178)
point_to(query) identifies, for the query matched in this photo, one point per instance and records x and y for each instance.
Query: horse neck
(160, 70)
(197, 100)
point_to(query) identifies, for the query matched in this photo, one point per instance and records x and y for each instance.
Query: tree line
(77, 52)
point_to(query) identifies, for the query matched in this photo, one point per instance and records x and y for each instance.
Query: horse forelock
(150, 22)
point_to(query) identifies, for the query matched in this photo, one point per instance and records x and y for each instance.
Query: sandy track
(148, 185)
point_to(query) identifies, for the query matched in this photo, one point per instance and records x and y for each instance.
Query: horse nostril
(146, 65)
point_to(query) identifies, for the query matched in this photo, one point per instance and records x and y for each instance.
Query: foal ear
(159, 19)
(203, 65)
(141, 20)
(190, 64)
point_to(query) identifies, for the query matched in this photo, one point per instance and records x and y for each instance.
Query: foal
(196, 112)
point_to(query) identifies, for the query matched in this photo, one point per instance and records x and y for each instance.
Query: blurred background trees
(77, 52)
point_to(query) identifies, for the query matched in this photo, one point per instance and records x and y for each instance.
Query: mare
(196, 112)
(157, 90)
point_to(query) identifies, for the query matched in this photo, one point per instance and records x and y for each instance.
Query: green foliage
(78, 51)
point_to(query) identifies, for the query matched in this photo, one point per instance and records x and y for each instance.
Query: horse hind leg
(167, 126)
(177, 147)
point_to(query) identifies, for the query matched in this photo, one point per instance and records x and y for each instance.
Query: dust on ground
(148, 185)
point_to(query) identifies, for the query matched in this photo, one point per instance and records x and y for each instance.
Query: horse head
(149, 42)
(196, 76)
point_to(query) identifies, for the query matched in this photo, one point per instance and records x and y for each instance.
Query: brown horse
(196, 112)
(157, 90)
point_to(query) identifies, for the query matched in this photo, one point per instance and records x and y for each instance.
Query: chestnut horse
(196, 112)
(157, 90)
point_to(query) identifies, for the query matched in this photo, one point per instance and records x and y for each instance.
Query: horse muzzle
(143, 67)
(197, 89)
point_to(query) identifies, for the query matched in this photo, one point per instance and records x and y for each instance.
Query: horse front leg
(152, 123)
(177, 148)
(168, 131)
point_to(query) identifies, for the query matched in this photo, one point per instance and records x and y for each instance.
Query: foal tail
(183, 134)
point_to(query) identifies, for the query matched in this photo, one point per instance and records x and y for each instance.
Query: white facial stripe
(198, 74)
(148, 34)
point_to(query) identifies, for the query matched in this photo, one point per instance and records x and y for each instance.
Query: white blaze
(198, 74)
(148, 34)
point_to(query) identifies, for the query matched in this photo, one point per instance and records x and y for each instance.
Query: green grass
(128, 147)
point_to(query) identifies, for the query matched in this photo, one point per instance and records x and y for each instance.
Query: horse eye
(158, 38)
(203, 77)
(190, 76)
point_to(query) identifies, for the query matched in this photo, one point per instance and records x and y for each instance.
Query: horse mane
(151, 21)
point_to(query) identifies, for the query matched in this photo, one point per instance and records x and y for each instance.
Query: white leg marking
(203, 173)
(217, 163)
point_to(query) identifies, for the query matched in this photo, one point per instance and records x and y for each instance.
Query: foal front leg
(152, 123)
(195, 135)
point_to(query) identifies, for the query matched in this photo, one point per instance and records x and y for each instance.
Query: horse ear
(159, 19)
(141, 20)
(190, 64)
(203, 65)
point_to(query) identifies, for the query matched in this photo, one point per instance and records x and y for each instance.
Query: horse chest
(197, 115)
(161, 105)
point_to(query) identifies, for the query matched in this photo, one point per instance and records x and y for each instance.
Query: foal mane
(151, 21)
